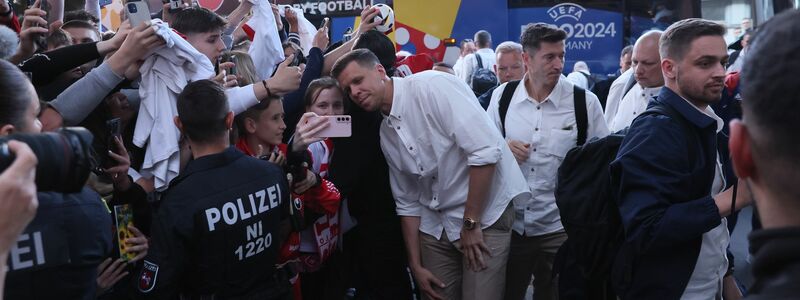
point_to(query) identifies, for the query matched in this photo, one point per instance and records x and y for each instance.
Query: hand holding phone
(138, 12)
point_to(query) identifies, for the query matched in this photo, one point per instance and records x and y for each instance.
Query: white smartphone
(340, 126)
(138, 12)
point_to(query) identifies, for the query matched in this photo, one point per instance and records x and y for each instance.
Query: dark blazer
(665, 169)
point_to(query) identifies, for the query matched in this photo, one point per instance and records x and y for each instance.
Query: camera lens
(64, 158)
(132, 8)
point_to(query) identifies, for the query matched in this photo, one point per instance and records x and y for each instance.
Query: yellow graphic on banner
(435, 18)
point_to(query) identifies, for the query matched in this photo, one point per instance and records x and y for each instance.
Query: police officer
(215, 234)
(57, 255)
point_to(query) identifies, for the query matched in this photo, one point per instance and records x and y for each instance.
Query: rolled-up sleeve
(459, 114)
(406, 193)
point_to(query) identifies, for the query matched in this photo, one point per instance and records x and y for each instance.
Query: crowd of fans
(185, 157)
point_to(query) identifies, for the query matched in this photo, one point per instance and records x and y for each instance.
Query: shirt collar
(562, 89)
(486, 50)
(687, 109)
(212, 161)
(398, 84)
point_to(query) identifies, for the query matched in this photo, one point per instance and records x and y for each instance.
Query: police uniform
(215, 234)
(57, 255)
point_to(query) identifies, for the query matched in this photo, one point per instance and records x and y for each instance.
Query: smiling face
(329, 102)
(364, 85)
(268, 127)
(699, 76)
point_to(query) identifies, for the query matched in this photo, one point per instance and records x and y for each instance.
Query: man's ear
(178, 123)
(526, 59)
(668, 68)
(7, 129)
(741, 153)
(381, 70)
(229, 120)
(495, 69)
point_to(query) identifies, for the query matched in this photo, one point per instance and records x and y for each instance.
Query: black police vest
(57, 255)
(216, 229)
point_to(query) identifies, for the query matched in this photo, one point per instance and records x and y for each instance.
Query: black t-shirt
(57, 255)
(216, 229)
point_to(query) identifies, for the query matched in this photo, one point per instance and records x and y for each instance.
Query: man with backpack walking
(478, 67)
(671, 172)
(542, 117)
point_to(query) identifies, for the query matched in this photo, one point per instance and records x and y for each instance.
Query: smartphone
(229, 58)
(123, 215)
(175, 5)
(299, 58)
(113, 130)
(138, 12)
(326, 22)
(41, 39)
(340, 126)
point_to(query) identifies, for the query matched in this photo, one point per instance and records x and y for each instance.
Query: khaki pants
(446, 261)
(533, 256)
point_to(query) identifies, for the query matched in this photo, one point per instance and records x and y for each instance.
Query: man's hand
(368, 15)
(321, 39)
(474, 248)
(291, 18)
(105, 47)
(521, 151)
(110, 273)
(428, 282)
(140, 42)
(223, 78)
(119, 173)
(18, 200)
(137, 244)
(286, 78)
(307, 129)
(33, 26)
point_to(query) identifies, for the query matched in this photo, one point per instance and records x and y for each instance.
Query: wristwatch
(469, 223)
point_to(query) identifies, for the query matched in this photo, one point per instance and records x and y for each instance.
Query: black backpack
(483, 79)
(587, 201)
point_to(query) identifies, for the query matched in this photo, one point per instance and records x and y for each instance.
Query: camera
(299, 58)
(64, 158)
(132, 8)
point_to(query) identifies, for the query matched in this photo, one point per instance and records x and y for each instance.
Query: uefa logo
(566, 10)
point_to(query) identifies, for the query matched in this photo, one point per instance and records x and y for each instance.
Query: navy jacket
(665, 171)
(57, 255)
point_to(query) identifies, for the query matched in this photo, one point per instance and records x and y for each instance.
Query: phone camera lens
(132, 7)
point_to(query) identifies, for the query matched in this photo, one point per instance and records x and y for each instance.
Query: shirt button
(538, 107)
(534, 149)
(528, 208)
(536, 129)
(434, 178)
(421, 169)
(532, 170)
(398, 127)
(411, 148)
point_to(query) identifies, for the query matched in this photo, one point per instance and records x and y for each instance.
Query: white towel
(266, 50)
(164, 75)
(306, 30)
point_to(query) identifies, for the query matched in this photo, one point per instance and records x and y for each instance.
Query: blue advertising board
(593, 35)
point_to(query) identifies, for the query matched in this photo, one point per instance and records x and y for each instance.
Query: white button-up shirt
(470, 63)
(434, 132)
(615, 94)
(632, 105)
(712, 262)
(550, 127)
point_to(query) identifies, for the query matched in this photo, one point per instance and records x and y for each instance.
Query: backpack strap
(505, 101)
(480, 61)
(628, 86)
(581, 116)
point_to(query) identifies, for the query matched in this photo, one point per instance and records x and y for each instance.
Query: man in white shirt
(647, 71)
(452, 176)
(580, 75)
(615, 93)
(467, 48)
(540, 127)
(483, 40)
